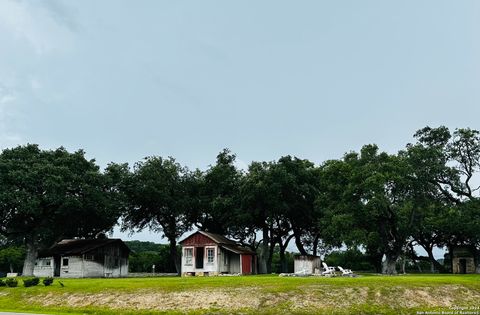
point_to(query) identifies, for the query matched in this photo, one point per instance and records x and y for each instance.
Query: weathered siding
(43, 267)
(234, 263)
(108, 261)
(198, 240)
(223, 261)
(210, 267)
(307, 263)
(469, 265)
(74, 269)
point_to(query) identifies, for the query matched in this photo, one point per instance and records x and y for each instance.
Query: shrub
(11, 282)
(47, 281)
(2, 283)
(30, 282)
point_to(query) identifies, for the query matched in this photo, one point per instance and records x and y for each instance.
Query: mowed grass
(263, 294)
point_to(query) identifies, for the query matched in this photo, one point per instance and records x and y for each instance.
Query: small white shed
(308, 264)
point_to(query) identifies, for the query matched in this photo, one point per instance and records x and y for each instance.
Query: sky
(314, 79)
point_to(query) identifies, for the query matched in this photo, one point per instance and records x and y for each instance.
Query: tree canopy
(384, 204)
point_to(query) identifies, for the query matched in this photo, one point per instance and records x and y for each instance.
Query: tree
(279, 197)
(158, 198)
(376, 209)
(11, 258)
(52, 194)
(219, 196)
(448, 163)
(259, 196)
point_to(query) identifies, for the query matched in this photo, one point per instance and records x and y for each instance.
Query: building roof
(237, 249)
(80, 246)
(223, 242)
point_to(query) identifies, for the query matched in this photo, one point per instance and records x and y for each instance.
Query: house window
(116, 263)
(47, 262)
(65, 262)
(210, 255)
(188, 256)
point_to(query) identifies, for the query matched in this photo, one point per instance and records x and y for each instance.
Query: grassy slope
(252, 294)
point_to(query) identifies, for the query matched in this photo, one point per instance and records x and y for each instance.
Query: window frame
(188, 258)
(208, 251)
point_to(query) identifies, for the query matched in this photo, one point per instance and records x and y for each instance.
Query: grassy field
(366, 294)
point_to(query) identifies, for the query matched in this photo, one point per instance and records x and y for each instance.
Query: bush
(30, 282)
(47, 281)
(2, 283)
(11, 282)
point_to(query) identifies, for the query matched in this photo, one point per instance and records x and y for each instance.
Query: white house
(84, 258)
(205, 253)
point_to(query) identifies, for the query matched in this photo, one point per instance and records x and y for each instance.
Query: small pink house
(205, 253)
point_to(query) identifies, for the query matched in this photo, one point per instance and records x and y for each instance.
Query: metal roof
(79, 246)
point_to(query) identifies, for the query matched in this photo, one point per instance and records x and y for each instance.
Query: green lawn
(367, 294)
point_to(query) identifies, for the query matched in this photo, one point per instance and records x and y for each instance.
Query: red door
(246, 264)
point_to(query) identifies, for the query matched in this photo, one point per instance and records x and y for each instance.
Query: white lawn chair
(345, 272)
(330, 271)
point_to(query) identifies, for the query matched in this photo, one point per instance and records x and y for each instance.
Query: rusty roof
(224, 242)
(79, 246)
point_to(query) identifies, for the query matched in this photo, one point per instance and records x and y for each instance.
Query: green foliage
(158, 198)
(366, 294)
(2, 283)
(351, 259)
(51, 194)
(386, 203)
(146, 254)
(47, 281)
(11, 258)
(219, 196)
(30, 282)
(277, 263)
(11, 282)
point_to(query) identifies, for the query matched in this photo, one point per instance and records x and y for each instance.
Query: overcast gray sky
(315, 79)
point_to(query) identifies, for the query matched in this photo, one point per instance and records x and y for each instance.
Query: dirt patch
(445, 296)
(188, 300)
(304, 298)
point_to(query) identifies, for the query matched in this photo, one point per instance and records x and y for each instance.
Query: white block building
(84, 258)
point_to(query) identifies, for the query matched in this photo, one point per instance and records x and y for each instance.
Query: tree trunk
(299, 244)
(404, 260)
(435, 264)
(11, 268)
(283, 261)
(271, 249)
(375, 259)
(283, 249)
(174, 254)
(262, 257)
(30, 258)
(390, 265)
(315, 245)
(418, 266)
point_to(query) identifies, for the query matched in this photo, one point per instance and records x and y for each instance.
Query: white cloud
(35, 24)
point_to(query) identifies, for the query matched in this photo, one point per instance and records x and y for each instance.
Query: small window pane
(65, 262)
(210, 255)
(188, 256)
